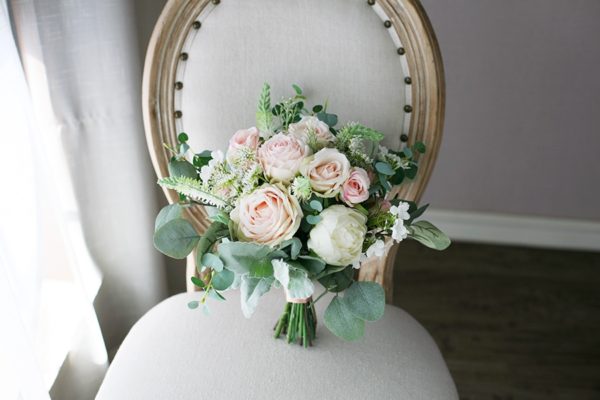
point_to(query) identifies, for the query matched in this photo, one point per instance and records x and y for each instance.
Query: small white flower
(401, 211)
(399, 231)
(377, 249)
(356, 264)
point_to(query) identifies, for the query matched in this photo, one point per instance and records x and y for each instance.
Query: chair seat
(177, 353)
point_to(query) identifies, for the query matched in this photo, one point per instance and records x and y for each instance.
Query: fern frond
(363, 132)
(193, 189)
(264, 116)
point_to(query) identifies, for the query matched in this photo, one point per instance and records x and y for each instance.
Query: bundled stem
(298, 322)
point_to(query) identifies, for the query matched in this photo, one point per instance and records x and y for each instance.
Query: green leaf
(193, 189)
(317, 109)
(215, 295)
(251, 289)
(223, 280)
(412, 170)
(220, 217)
(250, 258)
(361, 131)
(313, 265)
(330, 119)
(264, 116)
(182, 168)
(193, 304)
(197, 281)
(429, 235)
(176, 238)
(212, 261)
(338, 281)
(398, 177)
(384, 168)
(168, 213)
(407, 152)
(202, 159)
(419, 147)
(215, 231)
(295, 246)
(313, 219)
(417, 213)
(341, 322)
(316, 205)
(297, 89)
(366, 300)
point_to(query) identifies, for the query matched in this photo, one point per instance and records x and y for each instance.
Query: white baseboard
(517, 230)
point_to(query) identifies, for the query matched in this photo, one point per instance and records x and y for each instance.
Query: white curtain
(78, 199)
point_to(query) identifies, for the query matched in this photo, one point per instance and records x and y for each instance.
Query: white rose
(311, 125)
(338, 238)
(327, 171)
(269, 215)
(281, 157)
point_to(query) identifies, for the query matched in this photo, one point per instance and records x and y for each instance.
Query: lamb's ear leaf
(223, 280)
(341, 322)
(428, 234)
(251, 289)
(366, 300)
(176, 238)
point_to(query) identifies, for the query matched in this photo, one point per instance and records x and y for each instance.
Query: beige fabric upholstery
(177, 353)
(337, 50)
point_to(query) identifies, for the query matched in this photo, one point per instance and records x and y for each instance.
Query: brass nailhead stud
(408, 109)
(196, 24)
(177, 114)
(404, 137)
(408, 80)
(371, 2)
(401, 51)
(178, 85)
(184, 56)
(215, 2)
(387, 24)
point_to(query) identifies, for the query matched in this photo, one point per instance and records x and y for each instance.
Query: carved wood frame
(411, 24)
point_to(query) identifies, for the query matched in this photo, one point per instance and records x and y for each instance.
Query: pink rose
(269, 215)
(356, 188)
(242, 139)
(327, 171)
(281, 157)
(311, 125)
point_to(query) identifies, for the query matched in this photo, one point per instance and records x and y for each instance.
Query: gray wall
(523, 109)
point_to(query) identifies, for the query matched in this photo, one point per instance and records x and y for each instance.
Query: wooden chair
(376, 62)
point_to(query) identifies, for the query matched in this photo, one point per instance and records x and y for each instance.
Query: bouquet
(294, 201)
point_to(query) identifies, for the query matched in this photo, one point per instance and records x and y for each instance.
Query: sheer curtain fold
(89, 179)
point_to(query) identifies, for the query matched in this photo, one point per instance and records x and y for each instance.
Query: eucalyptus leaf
(428, 234)
(255, 259)
(212, 261)
(193, 304)
(316, 205)
(215, 231)
(384, 168)
(314, 265)
(197, 282)
(216, 295)
(223, 280)
(338, 281)
(297, 89)
(366, 300)
(313, 219)
(341, 322)
(176, 238)
(168, 213)
(182, 168)
(420, 147)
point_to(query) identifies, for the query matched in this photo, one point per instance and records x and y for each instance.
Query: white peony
(338, 238)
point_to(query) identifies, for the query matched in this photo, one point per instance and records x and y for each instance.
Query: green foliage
(176, 238)
(193, 304)
(222, 280)
(251, 289)
(193, 189)
(198, 282)
(316, 205)
(294, 244)
(330, 119)
(249, 258)
(215, 231)
(342, 322)
(202, 159)
(166, 214)
(264, 116)
(366, 300)
(428, 234)
(419, 147)
(354, 130)
(182, 137)
(314, 265)
(313, 219)
(294, 280)
(213, 261)
(182, 168)
(384, 168)
(337, 281)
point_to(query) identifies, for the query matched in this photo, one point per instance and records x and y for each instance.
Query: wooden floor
(512, 323)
